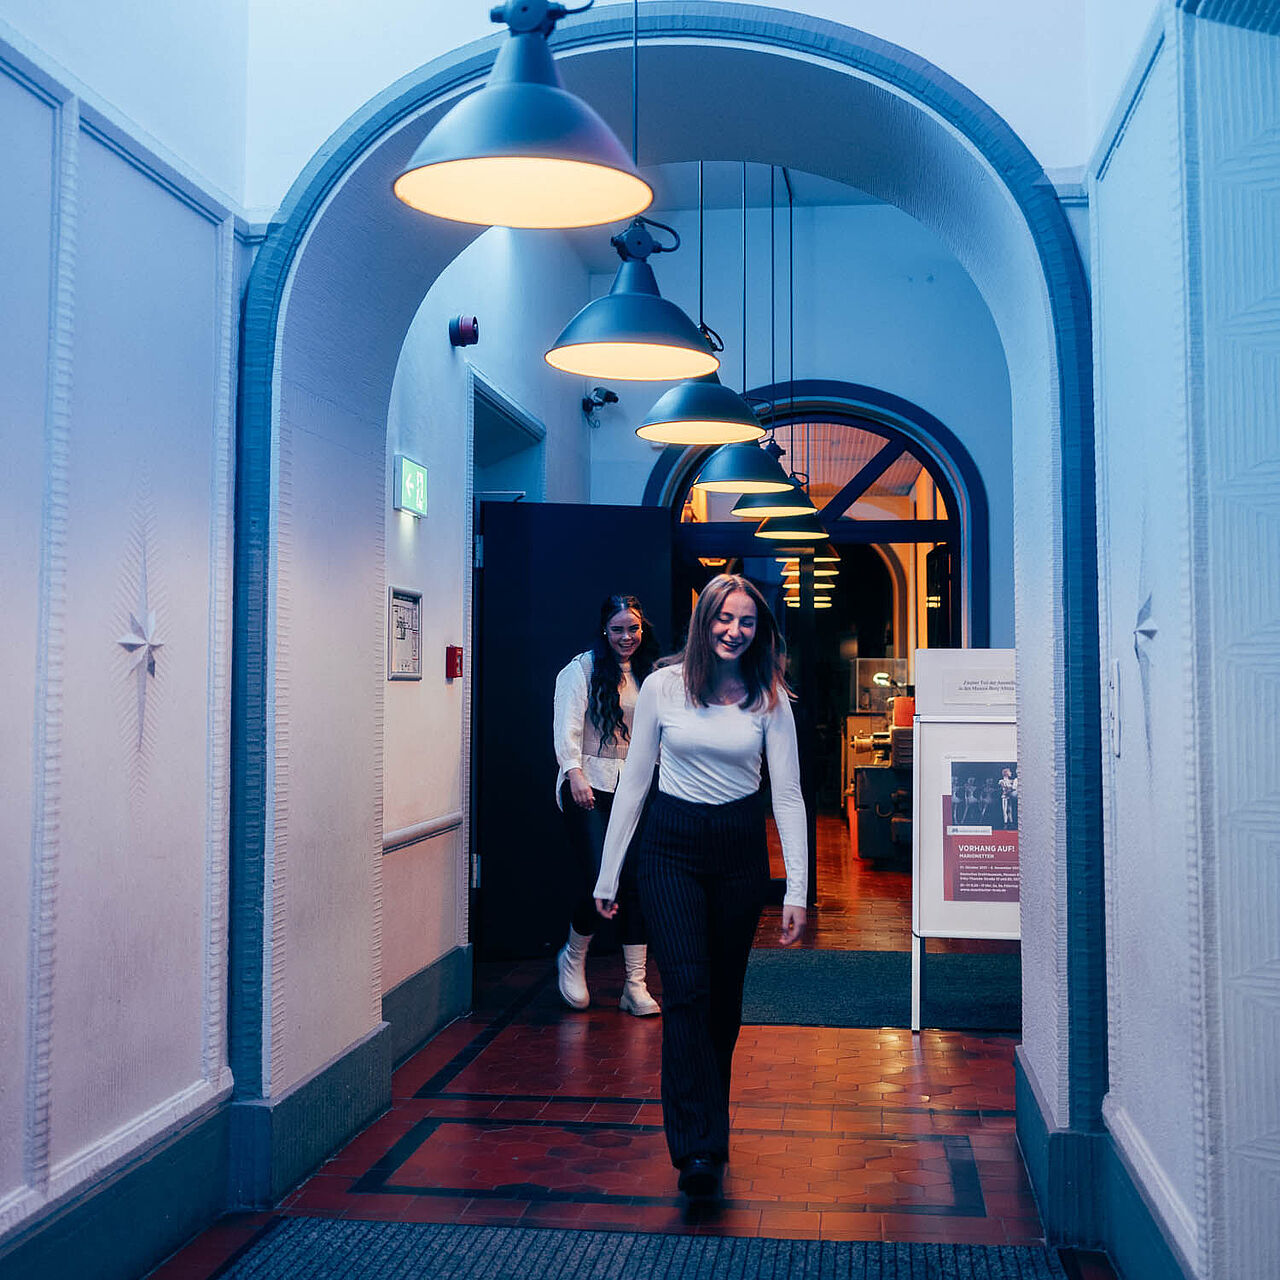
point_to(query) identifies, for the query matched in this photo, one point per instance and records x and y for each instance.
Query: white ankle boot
(571, 966)
(635, 995)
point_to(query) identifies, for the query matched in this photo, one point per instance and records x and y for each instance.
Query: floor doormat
(873, 989)
(343, 1249)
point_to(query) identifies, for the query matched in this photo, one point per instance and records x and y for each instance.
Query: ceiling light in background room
(823, 555)
(522, 151)
(819, 571)
(633, 333)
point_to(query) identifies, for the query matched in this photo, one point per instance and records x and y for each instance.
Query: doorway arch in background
(904, 425)
(329, 300)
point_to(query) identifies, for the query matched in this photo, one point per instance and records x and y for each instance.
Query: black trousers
(703, 873)
(585, 829)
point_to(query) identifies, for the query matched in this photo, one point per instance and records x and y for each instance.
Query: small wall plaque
(404, 635)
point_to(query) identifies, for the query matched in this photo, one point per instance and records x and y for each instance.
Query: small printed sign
(404, 636)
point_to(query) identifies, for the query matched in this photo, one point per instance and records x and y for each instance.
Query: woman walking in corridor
(707, 721)
(595, 697)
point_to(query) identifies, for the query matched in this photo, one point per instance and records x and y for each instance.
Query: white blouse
(708, 755)
(577, 740)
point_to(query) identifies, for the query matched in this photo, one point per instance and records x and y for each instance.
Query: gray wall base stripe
(135, 1218)
(422, 1004)
(1086, 1194)
(275, 1143)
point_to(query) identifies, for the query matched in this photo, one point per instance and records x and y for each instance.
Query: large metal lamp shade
(633, 333)
(756, 506)
(700, 411)
(523, 151)
(742, 468)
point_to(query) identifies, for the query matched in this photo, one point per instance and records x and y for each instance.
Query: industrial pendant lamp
(792, 529)
(633, 333)
(523, 151)
(742, 468)
(756, 506)
(701, 410)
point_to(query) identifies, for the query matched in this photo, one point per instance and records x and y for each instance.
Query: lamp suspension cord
(635, 82)
(744, 278)
(701, 318)
(773, 281)
(791, 311)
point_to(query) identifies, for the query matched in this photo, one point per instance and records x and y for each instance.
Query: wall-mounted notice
(980, 832)
(404, 635)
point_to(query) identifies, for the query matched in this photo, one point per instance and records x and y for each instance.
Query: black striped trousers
(703, 872)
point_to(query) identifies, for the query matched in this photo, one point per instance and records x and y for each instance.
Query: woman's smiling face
(734, 627)
(623, 631)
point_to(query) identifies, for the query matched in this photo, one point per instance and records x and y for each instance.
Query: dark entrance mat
(342, 1249)
(873, 989)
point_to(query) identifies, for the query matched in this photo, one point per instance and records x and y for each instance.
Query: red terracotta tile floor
(527, 1113)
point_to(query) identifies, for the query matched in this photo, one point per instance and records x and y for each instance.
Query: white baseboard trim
(77, 1172)
(1148, 1174)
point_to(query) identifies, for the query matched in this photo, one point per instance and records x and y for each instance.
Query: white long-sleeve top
(577, 740)
(708, 755)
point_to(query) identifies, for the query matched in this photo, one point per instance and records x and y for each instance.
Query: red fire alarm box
(453, 662)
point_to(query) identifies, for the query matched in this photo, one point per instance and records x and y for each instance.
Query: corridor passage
(525, 1113)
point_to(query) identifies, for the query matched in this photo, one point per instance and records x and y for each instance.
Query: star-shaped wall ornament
(142, 644)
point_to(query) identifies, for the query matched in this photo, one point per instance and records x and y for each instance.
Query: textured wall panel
(1233, 79)
(28, 133)
(1144, 551)
(130, 971)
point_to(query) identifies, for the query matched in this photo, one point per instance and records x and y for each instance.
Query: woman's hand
(793, 922)
(607, 907)
(580, 789)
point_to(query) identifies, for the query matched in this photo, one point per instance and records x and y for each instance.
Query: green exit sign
(411, 486)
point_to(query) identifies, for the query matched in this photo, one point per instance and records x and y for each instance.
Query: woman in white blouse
(707, 722)
(595, 697)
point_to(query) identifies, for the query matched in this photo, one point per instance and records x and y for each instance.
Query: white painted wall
(522, 286)
(1235, 506)
(119, 315)
(879, 300)
(1115, 31)
(1144, 525)
(178, 72)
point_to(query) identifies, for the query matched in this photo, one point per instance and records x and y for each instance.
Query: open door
(544, 569)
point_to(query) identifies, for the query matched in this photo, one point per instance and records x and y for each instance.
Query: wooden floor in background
(861, 905)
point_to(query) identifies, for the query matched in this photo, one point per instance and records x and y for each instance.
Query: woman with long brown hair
(595, 696)
(707, 721)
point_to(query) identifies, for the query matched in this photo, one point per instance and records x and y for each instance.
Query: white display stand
(964, 817)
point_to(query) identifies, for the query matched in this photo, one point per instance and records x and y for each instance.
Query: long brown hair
(762, 664)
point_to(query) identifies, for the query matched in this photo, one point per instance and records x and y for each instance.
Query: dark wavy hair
(763, 662)
(603, 706)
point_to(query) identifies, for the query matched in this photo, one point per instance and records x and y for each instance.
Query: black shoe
(700, 1177)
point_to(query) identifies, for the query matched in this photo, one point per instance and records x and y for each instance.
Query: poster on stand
(965, 864)
(980, 832)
